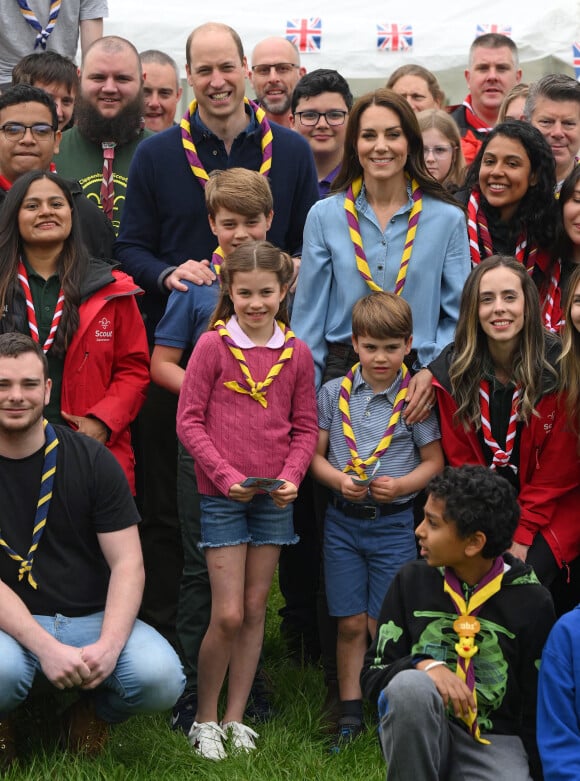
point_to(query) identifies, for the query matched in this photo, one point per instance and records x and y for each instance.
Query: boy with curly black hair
(454, 662)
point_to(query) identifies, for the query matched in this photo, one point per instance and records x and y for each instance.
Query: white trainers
(241, 736)
(207, 739)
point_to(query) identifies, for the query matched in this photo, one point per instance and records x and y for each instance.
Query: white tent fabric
(435, 34)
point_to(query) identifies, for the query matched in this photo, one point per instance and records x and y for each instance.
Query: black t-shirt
(90, 496)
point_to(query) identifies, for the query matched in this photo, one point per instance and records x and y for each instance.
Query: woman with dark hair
(510, 203)
(499, 405)
(389, 226)
(80, 309)
(566, 254)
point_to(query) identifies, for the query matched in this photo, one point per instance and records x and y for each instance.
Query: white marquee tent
(346, 36)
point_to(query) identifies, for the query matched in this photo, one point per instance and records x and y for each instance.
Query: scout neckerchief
(472, 119)
(42, 33)
(356, 463)
(478, 229)
(32, 323)
(355, 236)
(45, 495)
(197, 166)
(257, 390)
(500, 457)
(107, 181)
(467, 626)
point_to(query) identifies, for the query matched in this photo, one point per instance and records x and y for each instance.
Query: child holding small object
(247, 409)
(374, 464)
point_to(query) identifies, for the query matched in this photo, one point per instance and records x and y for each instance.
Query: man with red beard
(274, 73)
(109, 113)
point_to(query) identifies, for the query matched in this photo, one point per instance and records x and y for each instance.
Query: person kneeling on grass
(374, 464)
(454, 664)
(71, 570)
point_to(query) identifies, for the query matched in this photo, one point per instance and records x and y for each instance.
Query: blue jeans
(257, 522)
(148, 676)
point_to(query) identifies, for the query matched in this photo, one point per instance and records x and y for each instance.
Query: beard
(277, 108)
(121, 128)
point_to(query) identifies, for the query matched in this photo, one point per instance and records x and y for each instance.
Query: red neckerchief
(500, 457)
(32, 323)
(4, 183)
(471, 117)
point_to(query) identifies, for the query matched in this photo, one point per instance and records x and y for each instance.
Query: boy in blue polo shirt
(374, 465)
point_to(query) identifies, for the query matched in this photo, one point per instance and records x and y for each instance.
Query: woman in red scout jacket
(510, 204)
(498, 396)
(81, 310)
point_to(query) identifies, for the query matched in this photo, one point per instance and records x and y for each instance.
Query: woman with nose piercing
(509, 193)
(81, 310)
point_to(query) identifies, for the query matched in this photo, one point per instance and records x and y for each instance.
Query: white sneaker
(241, 736)
(207, 739)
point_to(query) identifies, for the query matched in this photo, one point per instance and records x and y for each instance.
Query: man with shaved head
(275, 72)
(109, 113)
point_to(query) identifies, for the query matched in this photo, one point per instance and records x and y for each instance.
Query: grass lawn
(291, 745)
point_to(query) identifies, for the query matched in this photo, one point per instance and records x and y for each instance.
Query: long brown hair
(570, 358)
(351, 168)
(250, 255)
(471, 352)
(72, 263)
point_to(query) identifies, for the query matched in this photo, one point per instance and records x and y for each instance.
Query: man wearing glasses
(29, 138)
(274, 74)
(321, 102)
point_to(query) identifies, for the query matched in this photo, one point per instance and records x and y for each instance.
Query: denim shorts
(361, 557)
(258, 522)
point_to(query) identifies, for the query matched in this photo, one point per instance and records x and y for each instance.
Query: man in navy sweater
(165, 238)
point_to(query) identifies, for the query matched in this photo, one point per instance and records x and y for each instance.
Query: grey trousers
(420, 743)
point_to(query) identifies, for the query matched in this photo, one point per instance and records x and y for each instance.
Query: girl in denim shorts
(247, 415)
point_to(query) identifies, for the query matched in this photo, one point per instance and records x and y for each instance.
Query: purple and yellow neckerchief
(500, 457)
(356, 463)
(467, 627)
(355, 235)
(199, 171)
(257, 390)
(42, 33)
(42, 507)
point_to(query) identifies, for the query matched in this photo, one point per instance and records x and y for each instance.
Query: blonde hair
(443, 122)
(517, 91)
(250, 256)
(239, 190)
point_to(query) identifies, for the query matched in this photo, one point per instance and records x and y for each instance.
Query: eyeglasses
(311, 118)
(15, 131)
(281, 68)
(438, 151)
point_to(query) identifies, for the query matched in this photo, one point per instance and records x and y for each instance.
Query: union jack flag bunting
(503, 29)
(394, 37)
(576, 56)
(305, 34)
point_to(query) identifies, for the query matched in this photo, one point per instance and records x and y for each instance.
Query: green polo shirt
(44, 297)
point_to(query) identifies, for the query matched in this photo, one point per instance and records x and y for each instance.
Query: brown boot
(83, 731)
(8, 753)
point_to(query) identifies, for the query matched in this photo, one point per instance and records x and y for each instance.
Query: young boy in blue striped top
(374, 465)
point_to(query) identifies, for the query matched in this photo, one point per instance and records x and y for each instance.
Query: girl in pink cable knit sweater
(247, 409)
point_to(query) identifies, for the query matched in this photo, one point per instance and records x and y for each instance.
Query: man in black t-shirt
(71, 569)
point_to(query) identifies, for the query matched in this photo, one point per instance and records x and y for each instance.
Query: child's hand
(238, 493)
(385, 489)
(351, 491)
(451, 688)
(285, 494)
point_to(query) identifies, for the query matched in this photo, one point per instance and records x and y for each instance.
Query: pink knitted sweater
(230, 435)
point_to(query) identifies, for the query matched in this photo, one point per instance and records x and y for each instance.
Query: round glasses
(311, 118)
(15, 131)
(438, 151)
